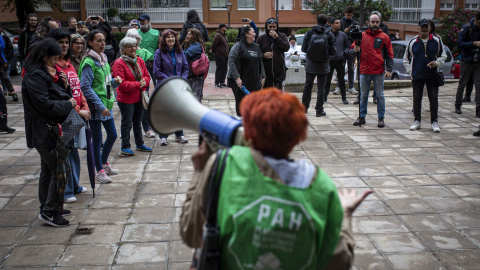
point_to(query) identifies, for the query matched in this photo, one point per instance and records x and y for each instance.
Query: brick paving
(424, 213)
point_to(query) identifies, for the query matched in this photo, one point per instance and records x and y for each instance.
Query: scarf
(102, 58)
(137, 72)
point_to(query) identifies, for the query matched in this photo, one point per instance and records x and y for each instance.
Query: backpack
(200, 28)
(318, 48)
(200, 66)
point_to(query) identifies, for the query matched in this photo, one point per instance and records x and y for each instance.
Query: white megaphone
(173, 106)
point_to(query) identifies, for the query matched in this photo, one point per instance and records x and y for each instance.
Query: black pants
(469, 88)
(469, 71)
(5, 79)
(339, 66)
(307, 90)
(146, 120)
(271, 82)
(221, 70)
(351, 71)
(3, 109)
(432, 91)
(239, 95)
(132, 115)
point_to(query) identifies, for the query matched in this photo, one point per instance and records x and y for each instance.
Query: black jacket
(313, 67)
(468, 34)
(203, 32)
(50, 102)
(24, 42)
(342, 47)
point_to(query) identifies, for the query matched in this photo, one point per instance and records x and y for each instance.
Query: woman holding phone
(97, 86)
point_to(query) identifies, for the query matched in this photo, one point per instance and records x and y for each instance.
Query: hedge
(208, 46)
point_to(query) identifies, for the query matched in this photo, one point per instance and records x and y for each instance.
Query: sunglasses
(134, 25)
(271, 21)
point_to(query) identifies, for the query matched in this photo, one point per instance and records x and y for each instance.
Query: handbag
(145, 100)
(81, 139)
(72, 125)
(200, 66)
(439, 79)
(209, 258)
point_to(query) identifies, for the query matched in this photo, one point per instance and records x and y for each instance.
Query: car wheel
(395, 77)
(18, 67)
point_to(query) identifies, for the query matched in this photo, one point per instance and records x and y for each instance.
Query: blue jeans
(177, 134)
(72, 186)
(365, 82)
(101, 156)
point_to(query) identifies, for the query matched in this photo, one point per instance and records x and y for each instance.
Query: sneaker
(435, 127)
(458, 109)
(466, 99)
(217, 85)
(128, 152)
(374, 100)
(163, 141)
(381, 123)
(352, 91)
(143, 148)
(83, 190)
(345, 101)
(181, 139)
(320, 113)
(477, 133)
(70, 200)
(66, 212)
(102, 177)
(357, 101)
(109, 169)
(149, 133)
(55, 219)
(223, 85)
(359, 121)
(416, 125)
(337, 91)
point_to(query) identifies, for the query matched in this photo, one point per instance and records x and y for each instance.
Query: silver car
(399, 72)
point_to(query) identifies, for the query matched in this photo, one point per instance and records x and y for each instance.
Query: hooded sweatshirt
(315, 67)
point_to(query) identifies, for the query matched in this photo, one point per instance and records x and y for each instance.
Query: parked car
(15, 63)
(399, 72)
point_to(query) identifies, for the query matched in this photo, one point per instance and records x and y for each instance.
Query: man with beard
(346, 24)
(423, 56)
(375, 50)
(72, 23)
(26, 35)
(150, 39)
(220, 50)
(273, 45)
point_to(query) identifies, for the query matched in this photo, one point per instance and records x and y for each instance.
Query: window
(246, 4)
(308, 4)
(169, 3)
(472, 4)
(71, 5)
(284, 4)
(447, 4)
(218, 4)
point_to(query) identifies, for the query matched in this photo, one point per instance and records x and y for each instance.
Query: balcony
(71, 5)
(411, 11)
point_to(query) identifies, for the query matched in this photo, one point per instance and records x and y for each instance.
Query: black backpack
(318, 48)
(200, 28)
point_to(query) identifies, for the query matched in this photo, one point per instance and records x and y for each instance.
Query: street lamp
(229, 9)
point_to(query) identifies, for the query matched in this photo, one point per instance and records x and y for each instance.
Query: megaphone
(173, 106)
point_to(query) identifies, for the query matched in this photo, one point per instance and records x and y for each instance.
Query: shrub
(118, 36)
(451, 24)
(208, 46)
(302, 31)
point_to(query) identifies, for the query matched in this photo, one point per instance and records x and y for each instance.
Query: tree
(450, 26)
(25, 7)
(125, 17)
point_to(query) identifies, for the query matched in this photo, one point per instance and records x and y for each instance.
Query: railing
(71, 5)
(411, 11)
(472, 4)
(284, 4)
(308, 4)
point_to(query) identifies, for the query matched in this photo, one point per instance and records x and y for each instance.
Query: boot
(466, 99)
(360, 121)
(3, 124)
(458, 110)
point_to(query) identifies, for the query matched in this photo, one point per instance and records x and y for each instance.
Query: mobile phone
(108, 92)
(94, 18)
(244, 20)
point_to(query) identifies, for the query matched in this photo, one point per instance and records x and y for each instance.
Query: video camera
(356, 33)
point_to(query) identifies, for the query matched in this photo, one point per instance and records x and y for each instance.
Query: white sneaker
(84, 189)
(163, 141)
(435, 127)
(149, 133)
(337, 91)
(352, 91)
(70, 200)
(109, 169)
(181, 139)
(102, 177)
(416, 125)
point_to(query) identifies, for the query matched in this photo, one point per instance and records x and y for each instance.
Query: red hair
(274, 122)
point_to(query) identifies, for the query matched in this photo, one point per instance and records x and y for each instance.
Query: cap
(423, 22)
(222, 25)
(144, 17)
(81, 23)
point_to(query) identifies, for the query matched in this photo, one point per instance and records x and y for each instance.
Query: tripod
(358, 43)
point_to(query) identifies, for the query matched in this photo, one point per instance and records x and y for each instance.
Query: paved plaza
(424, 213)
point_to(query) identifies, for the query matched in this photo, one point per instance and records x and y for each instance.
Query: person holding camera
(273, 45)
(375, 49)
(469, 43)
(423, 56)
(346, 24)
(337, 62)
(319, 44)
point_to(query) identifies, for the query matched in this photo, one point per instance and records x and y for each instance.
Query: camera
(94, 18)
(476, 55)
(356, 32)
(244, 20)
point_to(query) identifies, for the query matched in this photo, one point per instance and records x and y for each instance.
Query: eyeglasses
(134, 25)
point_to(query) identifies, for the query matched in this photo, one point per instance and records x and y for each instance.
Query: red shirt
(74, 83)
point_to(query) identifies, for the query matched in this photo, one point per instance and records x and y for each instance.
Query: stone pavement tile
(397, 243)
(3, 202)
(20, 170)
(371, 171)
(147, 233)
(428, 143)
(321, 154)
(474, 176)
(420, 260)
(436, 168)
(370, 262)
(106, 216)
(454, 158)
(343, 146)
(445, 240)
(84, 200)
(186, 166)
(180, 252)
(475, 156)
(411, 151)
(38, 255)
(442, 150)
(381, 224)
(409, 206)
(463, 220)
(358, 161)
(180, 199)
(182, 187)
(84, 267)
(130, 168)
(473, 235)
(152, 215)
(423, 159)
(398, 160)
(18, 218)
(176, 232)
(101, 234)
(10, 190)
(386, 181)
(363, 246)
(452, 179)
(347, 153)
(363, 138)
(22, 203)
(113, 201)
(185, 176)
(417, 180)
(432, 191)
(143, 266)
(11, 235)
(159, 200)
(16, 179)
(339, 171)
(465, 190)
(467, 150)
(116, 188)
(28, 190)
(314, 145)
(44, 235)
(160, 176)
(159, 150)
(126, 177)
(349, 182)
(158, 188)
(403, 169)
(422, 222)
(372, 208)
(137, 253)
(466, 167)
(329, 162)
(162, 159)
(382, 152)
(298, 155)
(459, 259)
(139, 158)
(88, 255)
(395, 193)
(4, 251)
(474, 201)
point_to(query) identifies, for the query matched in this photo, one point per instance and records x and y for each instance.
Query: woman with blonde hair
(194, 48)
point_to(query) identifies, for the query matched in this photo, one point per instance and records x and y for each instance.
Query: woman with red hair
(273, 212)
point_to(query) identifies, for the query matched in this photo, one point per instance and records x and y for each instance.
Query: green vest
(268, 225)
(145, 54)
(149, 40)
(102, 78)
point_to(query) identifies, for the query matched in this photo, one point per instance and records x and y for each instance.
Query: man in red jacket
(375, 50)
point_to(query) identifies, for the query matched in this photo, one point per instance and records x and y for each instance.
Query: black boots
(3, 124)
(458, 110)
(360, 121)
